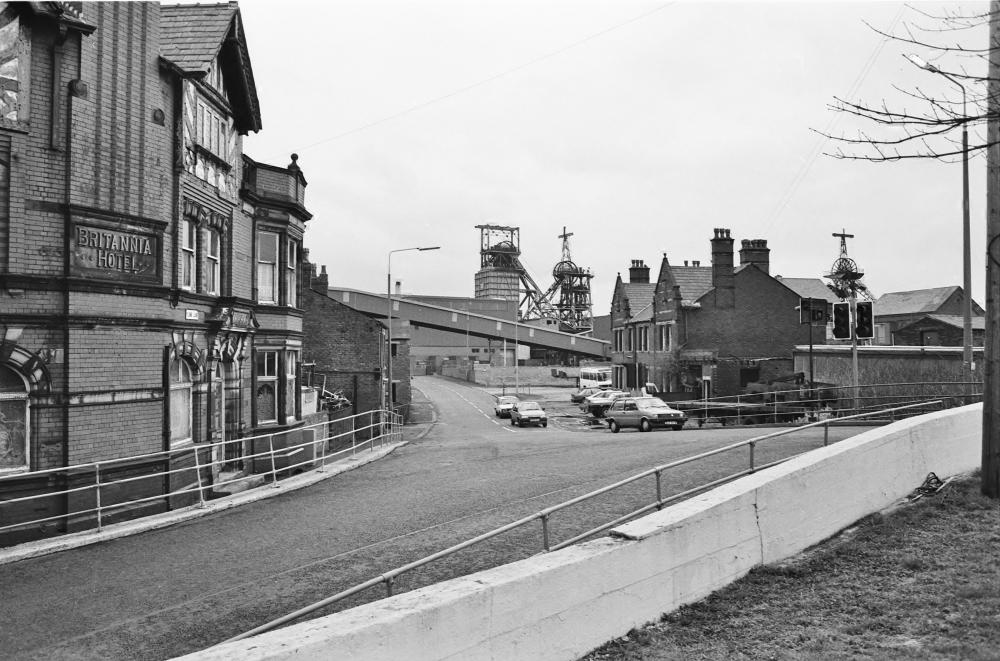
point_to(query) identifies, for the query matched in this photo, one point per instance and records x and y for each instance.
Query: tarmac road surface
(167, 592)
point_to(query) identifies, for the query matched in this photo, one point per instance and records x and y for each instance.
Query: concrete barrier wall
(561, 605)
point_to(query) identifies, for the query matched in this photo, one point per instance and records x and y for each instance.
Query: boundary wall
(563, 604)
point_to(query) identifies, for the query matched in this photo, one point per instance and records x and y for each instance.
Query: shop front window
(181, 388)
(13, 421)
(267, 386)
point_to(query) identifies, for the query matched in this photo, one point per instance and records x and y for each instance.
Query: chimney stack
(756, 252)
(722, 269)
(638, 272)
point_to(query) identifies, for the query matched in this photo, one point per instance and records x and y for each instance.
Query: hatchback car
(528, 413)
(504, 405)
(643, 413)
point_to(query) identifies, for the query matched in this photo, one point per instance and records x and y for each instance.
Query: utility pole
(991, 375)
(846, 278)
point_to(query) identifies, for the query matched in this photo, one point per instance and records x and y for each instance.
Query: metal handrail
(382, 427)
(387, 578)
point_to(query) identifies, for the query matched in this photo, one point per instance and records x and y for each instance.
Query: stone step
(247, 482)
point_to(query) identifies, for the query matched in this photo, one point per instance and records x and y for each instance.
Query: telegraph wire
(817, 148)
(490, 79)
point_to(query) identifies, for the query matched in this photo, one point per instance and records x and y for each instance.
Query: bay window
(267, 267)
(290, 279)
(291, 385)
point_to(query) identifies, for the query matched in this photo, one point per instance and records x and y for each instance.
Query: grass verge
(920, 582)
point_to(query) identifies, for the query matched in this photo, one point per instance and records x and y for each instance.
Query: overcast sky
(640, 126)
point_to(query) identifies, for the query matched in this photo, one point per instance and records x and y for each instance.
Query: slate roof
(978, 323)
(640, 299)
(809, 288)
(694, 281)
(912, 302)
(191, 35)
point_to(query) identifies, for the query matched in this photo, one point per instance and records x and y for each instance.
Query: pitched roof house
(723, 324)
(896, 310)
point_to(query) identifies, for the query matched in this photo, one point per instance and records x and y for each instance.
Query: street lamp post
(967, 361)
(387, 394)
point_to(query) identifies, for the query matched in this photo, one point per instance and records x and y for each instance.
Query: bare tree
(922, 125)
(917, 124)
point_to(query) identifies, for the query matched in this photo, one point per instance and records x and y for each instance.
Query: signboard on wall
(123, 253)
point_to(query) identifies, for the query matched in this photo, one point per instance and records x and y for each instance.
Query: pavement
(422, 419)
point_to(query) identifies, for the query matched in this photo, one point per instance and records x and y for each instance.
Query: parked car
(583, 393)
(528, 413)
(503, 406)
(643, 413)
(598, 403)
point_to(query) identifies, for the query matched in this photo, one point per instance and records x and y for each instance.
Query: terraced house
(148, 268)
(708, 330)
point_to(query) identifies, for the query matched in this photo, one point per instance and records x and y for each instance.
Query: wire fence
(93, 494)
(543, 517)
(826, 402)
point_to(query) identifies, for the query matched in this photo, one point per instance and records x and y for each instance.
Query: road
(171, 591)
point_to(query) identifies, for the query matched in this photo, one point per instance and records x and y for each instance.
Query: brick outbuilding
(706, 329)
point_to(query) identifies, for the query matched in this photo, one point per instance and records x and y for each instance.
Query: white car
(503, 406)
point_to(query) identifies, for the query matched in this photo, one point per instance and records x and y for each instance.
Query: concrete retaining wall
(563, 604)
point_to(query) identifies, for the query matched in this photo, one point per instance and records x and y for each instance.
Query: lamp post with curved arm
(388, 324)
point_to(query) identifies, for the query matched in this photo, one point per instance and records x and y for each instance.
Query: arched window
(181, 387)
(14, 420)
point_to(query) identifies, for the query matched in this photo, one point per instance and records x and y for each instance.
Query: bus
(595, 377)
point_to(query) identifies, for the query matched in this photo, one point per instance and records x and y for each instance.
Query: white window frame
(291, 383)
(213, 263)
(270, 275)
(269, 375)
(181, 388)
(291, 290)
(188, 275)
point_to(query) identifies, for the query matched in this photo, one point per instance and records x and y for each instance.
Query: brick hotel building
(149, 270)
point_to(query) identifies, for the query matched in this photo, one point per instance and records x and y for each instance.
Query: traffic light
(812, 310)
(865, 326)
(842, 321)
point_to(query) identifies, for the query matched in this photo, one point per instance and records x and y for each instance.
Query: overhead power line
(490, 79)
(817, 147)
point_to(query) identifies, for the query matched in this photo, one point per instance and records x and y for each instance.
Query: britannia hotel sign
(116, 254)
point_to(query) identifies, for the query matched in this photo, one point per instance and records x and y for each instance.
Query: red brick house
(344, 350)
(148, 268)
(707, 329)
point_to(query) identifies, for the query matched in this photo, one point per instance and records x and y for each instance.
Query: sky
(639, 126)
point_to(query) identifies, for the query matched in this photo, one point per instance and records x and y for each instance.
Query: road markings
(473, 405)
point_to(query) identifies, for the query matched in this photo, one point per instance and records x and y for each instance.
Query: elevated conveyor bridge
(477, 325)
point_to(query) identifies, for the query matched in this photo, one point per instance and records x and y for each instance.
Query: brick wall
(346, 347)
